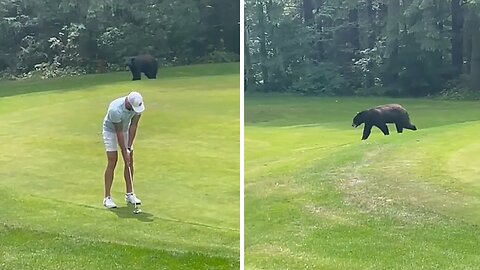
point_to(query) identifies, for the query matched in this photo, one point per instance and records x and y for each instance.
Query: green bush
(220, 57)
(458, 90)
(379, 90)
(320, 79)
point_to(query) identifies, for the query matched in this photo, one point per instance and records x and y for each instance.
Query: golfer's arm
(120, 138)
(132, 130)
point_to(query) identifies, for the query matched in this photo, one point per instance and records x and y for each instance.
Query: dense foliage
(366, 47)
(66, 36)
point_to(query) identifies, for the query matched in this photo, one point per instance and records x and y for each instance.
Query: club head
(137, 211)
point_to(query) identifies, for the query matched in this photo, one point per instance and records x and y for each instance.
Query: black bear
(380, 116)
(142, 63)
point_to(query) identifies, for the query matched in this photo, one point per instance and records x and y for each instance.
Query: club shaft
(131, 183)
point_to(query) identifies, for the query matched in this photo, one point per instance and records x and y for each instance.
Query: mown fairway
(319, 198)
(187, 173)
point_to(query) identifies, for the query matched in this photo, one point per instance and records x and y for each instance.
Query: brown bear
(381, 115)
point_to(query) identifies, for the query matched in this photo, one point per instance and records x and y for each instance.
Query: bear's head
(129, 61)
(358, 119)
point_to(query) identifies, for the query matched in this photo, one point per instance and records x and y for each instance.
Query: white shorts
(111, 142)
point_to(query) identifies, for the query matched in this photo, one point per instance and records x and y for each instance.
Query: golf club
(137, 210)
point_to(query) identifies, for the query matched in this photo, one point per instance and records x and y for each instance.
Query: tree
(457, 36)
(176, 32)
(386, 47)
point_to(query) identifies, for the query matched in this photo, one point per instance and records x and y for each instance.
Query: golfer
(119, 129)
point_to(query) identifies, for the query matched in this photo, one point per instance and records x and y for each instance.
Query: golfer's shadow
(127, 212)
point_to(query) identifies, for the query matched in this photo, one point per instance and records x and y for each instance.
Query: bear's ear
(360, 115)
(129, 60)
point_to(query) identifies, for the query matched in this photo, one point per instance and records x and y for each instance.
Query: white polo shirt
(118, 113)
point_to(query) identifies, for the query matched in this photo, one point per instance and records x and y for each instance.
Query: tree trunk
(317, 47)
(248, 80)
(263, 46)
(457, 37)
(475, 62)
(391, 54)
(319, 50)
(392, 27)
(381, 14)
(475, 58)
(353, 30)
(370, 24)
(371, 37)
(276, 72)
(308, 12)
(467, 42)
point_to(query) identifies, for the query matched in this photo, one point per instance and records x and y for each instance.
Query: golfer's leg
(110, 141)
(109, 171)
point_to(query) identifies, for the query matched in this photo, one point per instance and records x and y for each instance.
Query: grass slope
(319, 198)
(187, 173)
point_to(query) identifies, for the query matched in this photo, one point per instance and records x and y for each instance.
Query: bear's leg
(383, 127)
(151, 76)
(136, 75)
(399, 127)
(148, 74)
(408, 124)
(411, 127)
(366, 131)
(154, 71)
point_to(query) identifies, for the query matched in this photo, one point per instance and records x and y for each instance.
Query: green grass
(316, 197)
(187, 173)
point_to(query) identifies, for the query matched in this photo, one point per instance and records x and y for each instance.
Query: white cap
(136, 100)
